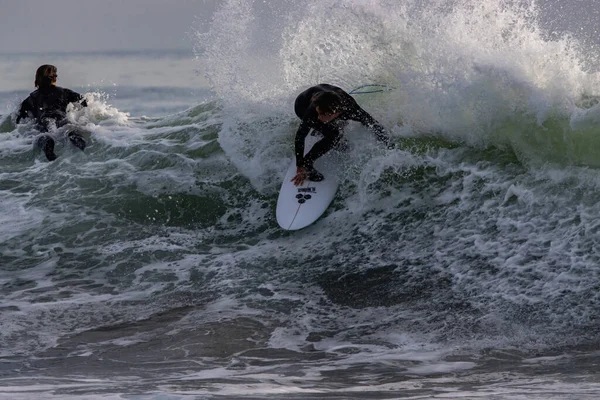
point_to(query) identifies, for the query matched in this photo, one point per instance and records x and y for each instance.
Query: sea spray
(480, 73)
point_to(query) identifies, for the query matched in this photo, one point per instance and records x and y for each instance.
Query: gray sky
(99, 25)
(50, 26)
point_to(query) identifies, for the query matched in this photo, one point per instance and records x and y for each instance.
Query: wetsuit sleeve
(360, 115)
(301, 135)
(74, 97)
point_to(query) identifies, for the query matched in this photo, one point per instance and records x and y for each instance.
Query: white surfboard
(300, 206)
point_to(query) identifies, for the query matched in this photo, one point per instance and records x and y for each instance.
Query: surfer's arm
(301, 134)
(74, 97)
(360, 115)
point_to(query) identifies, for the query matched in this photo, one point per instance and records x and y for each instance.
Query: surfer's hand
(301, 175)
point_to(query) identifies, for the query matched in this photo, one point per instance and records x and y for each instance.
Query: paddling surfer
(48, 106)
(325, 108)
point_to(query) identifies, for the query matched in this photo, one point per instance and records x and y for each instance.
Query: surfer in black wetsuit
(325, 108)
(48, 106)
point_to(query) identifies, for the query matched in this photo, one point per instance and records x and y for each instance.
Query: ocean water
(464, 264)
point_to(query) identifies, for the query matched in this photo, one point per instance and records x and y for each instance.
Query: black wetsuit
(331, 131)
(48, 105)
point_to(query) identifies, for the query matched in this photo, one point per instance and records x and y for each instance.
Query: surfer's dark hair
(328, 102)
(45, 75)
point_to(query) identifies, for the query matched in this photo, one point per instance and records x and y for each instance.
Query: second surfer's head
(45, 76)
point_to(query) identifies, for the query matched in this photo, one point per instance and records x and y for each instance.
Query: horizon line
(105, 52)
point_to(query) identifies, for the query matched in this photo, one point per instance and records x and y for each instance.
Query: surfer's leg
(331, 136)
(46, 144)
(315, 176)
(319, 149)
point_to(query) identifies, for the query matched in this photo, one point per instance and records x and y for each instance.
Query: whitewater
(463, 264)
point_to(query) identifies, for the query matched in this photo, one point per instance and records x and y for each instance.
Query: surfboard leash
(374, 88)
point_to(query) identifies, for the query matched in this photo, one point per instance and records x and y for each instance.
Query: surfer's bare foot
(315, 176)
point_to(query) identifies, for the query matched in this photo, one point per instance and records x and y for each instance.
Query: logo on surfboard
(306, 196)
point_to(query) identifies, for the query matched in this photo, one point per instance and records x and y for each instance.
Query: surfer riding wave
(325, 108)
